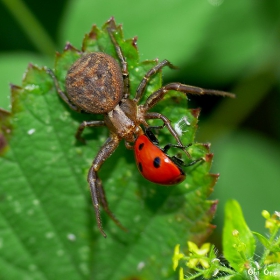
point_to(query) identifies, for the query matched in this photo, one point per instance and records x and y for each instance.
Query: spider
(98, 84)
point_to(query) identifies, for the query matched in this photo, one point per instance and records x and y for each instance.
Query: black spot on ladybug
(140, 147)
(156, 162)
(140, 167)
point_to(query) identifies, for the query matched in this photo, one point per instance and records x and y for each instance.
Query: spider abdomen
(94, 83)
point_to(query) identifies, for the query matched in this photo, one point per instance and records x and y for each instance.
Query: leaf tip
(213, 207)
(195, 112)
(69, 47)
(110, 23)
(14, 87)
(134, 42)
(93, 33)
(5, 128)
(3, 143)
(57, 54)
(209, 156)
(30, 66)
(207, 146)
(215, 176)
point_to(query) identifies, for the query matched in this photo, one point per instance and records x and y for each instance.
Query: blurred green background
(220, 44)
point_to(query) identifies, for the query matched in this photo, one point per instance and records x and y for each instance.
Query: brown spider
(98, 84)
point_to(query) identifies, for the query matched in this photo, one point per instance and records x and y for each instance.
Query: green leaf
(238, 241)
(47, 222)
(262, 239)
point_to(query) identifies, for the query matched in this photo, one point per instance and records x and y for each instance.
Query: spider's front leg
(143, 84)
(160, 93)
(96, 188)
(122, 59)
(167, 123)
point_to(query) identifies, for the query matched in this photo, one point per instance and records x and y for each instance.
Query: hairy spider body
(98, 84)
(94, 83)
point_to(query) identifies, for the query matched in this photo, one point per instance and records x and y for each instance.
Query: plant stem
(194, 276)
(227, 270)
(31, 26)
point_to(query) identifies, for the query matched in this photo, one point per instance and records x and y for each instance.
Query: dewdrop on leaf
(180, 126)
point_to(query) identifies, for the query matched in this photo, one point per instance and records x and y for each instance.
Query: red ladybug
(154, 163)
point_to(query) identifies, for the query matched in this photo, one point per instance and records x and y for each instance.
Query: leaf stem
(227, 270)
(195, 276)
(31, 26)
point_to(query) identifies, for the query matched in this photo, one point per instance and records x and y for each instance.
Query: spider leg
(128, 145)
(96, 188)
(85, 124)
(156, 127)
(160, 93)
(141, 88)
(61, 93)
(166, 121)
(194, 162)
(168, 146)
(104, 203)
(123, 64)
